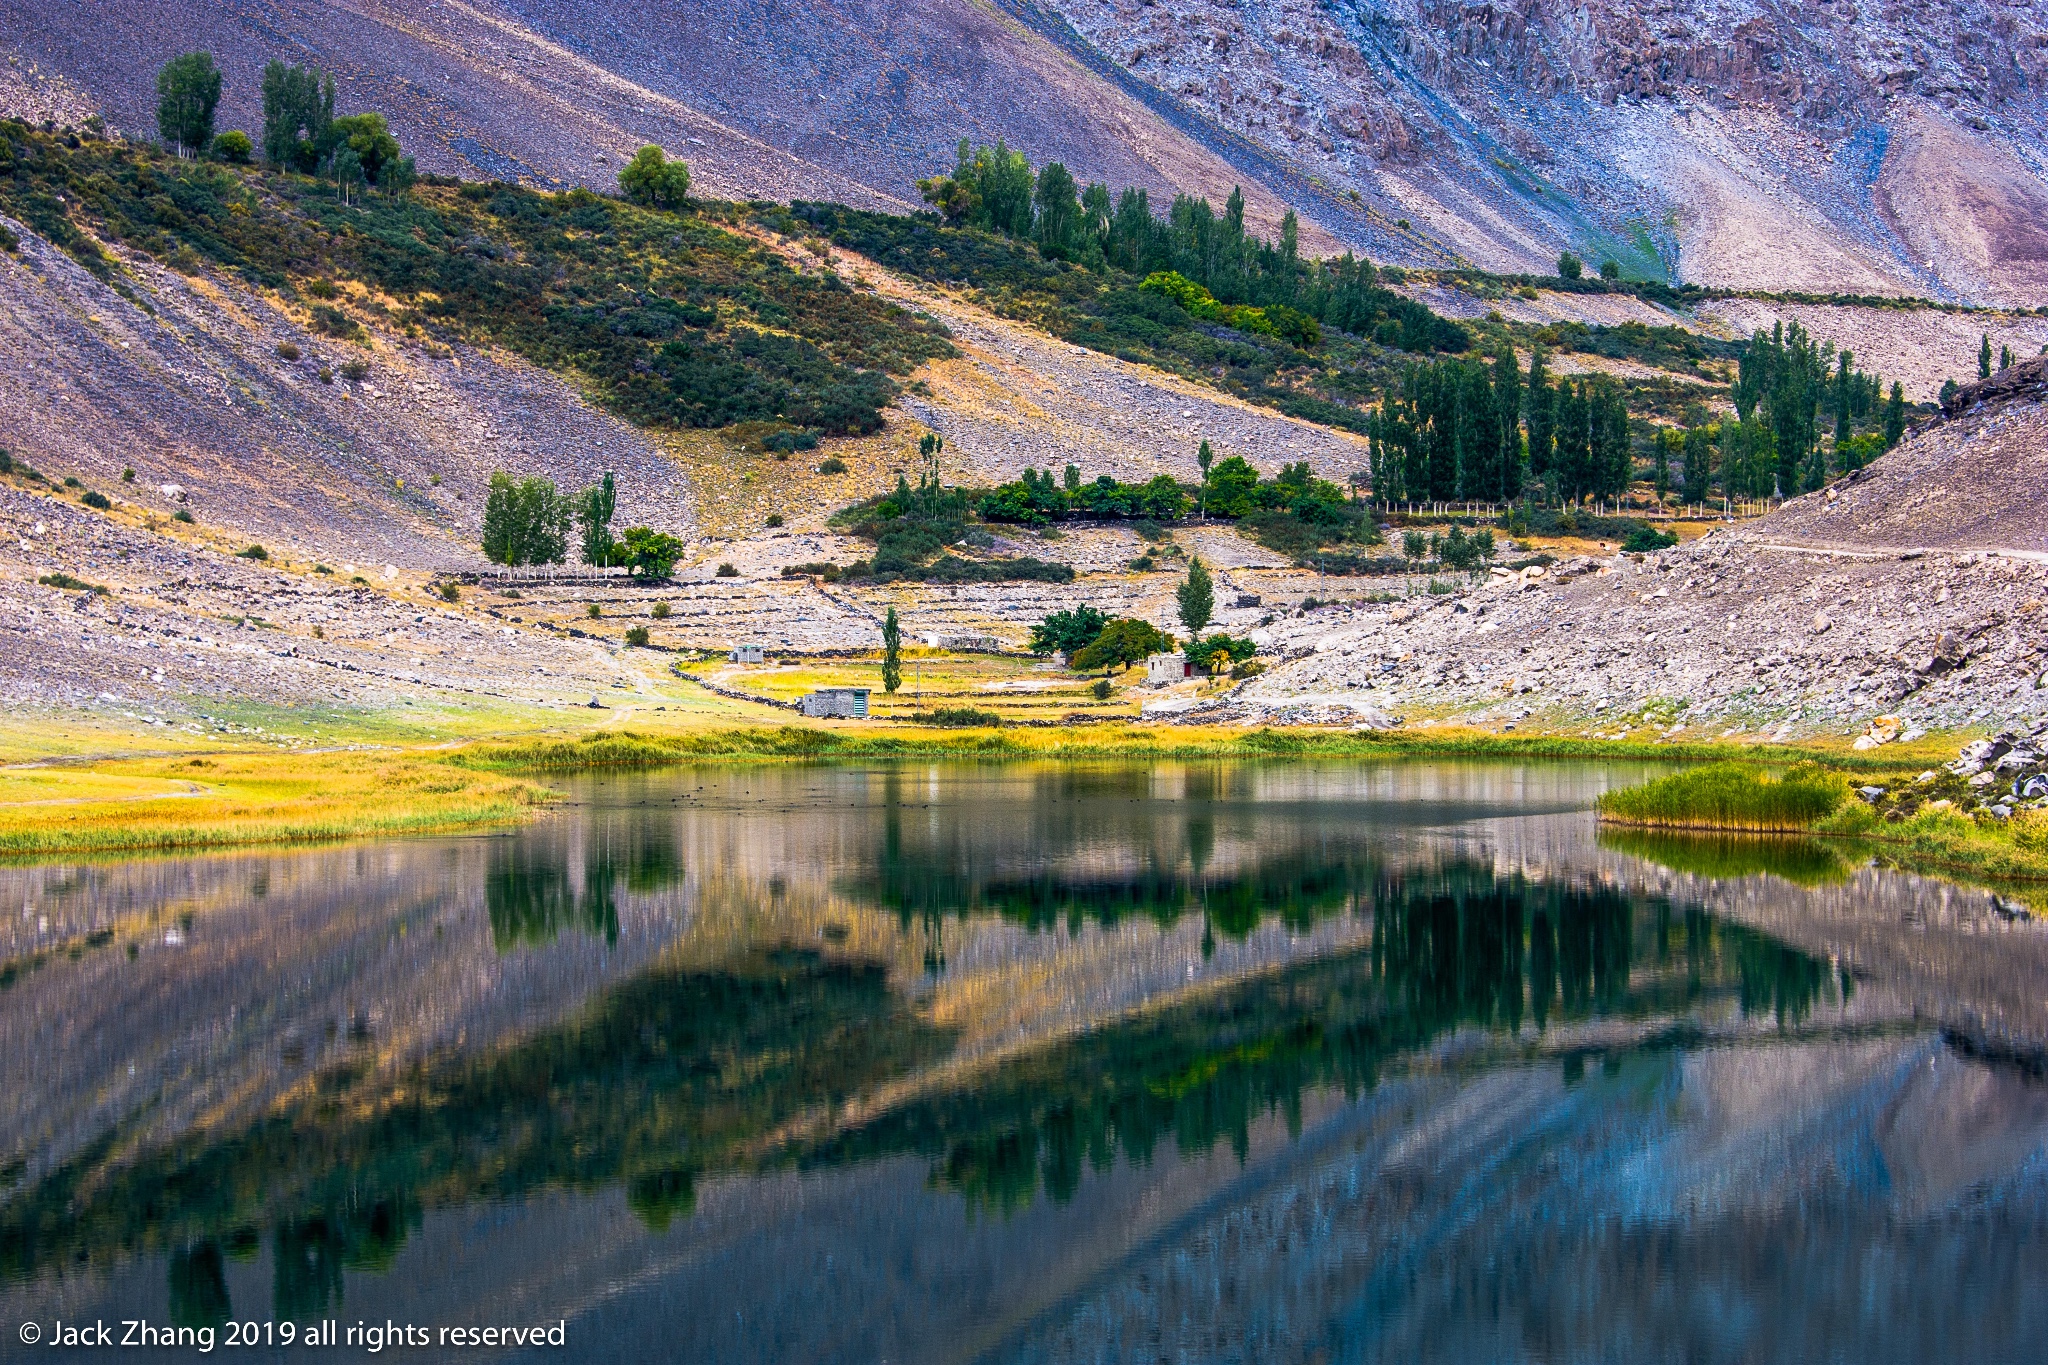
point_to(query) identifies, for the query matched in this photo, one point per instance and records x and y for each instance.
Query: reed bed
(1730, 797)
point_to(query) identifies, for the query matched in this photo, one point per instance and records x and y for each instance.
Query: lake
(1183, 1062)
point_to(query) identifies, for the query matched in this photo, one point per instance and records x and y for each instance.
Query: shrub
(95, 499)
(726, 570)
(233, 147)
(355, 369)
(1647, 539)
(636, 636)
(252, 552)
(450, 593)
(322, 289)
(652, 180)
(593, 611)
(1101, 689)
(1610, 270)
(67, 582)
(832, 465)
(128, 476)
(287, 351)
(182, 515)
(6, 461)
(774, 519)
(1569, 267)
(959, 717)
(660, 612)
(326, 375)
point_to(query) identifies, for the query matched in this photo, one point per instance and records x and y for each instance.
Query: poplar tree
(1699, 463)
(1540, 405)
(892, 652)
(1895, 415)
(1984, 357)
(187, 93)
(1507, 400)
(1197, 597)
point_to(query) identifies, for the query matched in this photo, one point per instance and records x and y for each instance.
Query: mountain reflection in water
(1407, 1074)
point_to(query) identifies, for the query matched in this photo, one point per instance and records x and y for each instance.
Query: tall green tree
(1669, 445)
(1699, 462)
(1507, 402)
(1895, 415)
(892, 652)
(1984, 357)
(1197, 597)
(1539, 405)
(1845, 391)
(595, 507)
(526, 521)
(347, 170)
(187, 93)
(298, 116)
(1059, 213)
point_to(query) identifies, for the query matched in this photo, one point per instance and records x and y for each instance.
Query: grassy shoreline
(187, 802)
(1813, 802)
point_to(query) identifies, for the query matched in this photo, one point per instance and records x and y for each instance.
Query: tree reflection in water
(684, 1072)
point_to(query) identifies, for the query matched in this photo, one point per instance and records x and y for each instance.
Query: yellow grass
(230, 799)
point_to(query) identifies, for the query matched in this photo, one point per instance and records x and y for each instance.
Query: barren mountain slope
(193, 394)
(1853, 146)
(1769, 626)
(850, 101)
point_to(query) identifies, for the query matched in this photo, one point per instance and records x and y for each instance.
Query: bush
(726, 570)
(70, 584)
(326, 375)
(233, 147)
(252, 552)
(785, 442)
(1101, 689)
(128, 476)
(6, 461)
(959, 717)
(287, 351)
(652, 180)
(593, 611)
(182, 515)
(1648, 539)
(832, 465)
(636, 636)
(774, 520)
(355, 369)
(96, 500)
(450, 592)
(1569, 267)
(660, 611)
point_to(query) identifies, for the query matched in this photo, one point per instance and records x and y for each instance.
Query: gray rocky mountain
(1853, 146)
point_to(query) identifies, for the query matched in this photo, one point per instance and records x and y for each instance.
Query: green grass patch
(1730, 796)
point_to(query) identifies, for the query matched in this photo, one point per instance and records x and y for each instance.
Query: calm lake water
(1230, 1062)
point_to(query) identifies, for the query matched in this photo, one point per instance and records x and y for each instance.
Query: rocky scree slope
(1750, 630)
(850, 100)
(1849, 146)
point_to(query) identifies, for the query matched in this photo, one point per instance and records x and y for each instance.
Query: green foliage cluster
(1035, 498)
(668, 320)
(652, 180)
(1121, 643)
(187, 93)
(959, 718)
(1730, 796)
(70, 584)
(1282, 303)
(526, 521)
(1067, 632)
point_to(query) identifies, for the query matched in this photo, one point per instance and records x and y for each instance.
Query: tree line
(1481, 430)
(301, 131)
(529, 521)
(996, 189)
